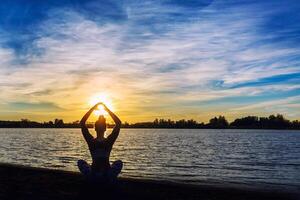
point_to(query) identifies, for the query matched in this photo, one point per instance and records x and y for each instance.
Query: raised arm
(115, 133)
(85, 132)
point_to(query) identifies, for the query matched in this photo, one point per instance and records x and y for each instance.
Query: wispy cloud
(283, 106)
(155, 61)
(41, 106)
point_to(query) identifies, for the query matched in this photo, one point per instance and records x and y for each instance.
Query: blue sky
(171, 59)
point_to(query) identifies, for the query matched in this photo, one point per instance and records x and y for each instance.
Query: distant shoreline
(276, 122)
(151, 128)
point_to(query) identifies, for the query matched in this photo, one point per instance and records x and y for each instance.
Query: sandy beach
(19, 182)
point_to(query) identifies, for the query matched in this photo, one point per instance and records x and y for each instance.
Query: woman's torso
(100, 152)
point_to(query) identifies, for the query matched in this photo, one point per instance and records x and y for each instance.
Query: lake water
(268, 157)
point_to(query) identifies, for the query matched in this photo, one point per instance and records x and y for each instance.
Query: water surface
(269, 157)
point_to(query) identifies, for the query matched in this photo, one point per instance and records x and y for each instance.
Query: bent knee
(118, 162)
(81, 162)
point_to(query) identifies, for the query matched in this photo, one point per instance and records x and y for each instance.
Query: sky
(149, 59)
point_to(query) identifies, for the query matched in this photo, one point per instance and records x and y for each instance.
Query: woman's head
(100, 125)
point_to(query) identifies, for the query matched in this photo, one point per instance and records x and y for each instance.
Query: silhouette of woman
(100, 148)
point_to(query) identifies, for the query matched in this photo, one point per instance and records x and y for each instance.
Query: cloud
(150, 60)
(283, 106)
(6, 56)
(40, 106)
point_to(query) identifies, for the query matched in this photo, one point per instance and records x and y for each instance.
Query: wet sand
(19, 182)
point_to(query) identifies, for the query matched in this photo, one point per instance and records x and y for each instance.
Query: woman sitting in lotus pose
(100, 148)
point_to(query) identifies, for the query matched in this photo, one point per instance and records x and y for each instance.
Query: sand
(20, 182)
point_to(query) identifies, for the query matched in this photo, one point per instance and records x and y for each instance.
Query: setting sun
(100, 111)
(104, 98)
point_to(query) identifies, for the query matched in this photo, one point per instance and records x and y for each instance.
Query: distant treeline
(26, 123)
(220, 122)
(250, 122)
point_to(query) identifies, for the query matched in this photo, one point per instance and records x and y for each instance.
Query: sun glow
(104, 98)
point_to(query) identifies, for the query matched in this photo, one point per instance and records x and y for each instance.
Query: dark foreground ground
(18, 182)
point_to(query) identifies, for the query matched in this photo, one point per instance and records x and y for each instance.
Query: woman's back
(100, 152)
